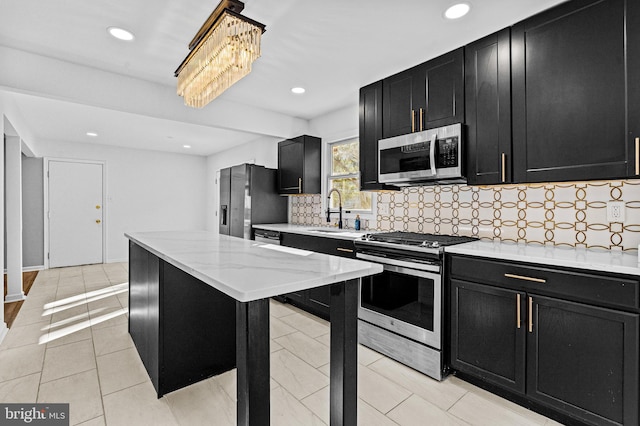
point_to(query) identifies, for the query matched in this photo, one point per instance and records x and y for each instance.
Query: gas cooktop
(416, 239)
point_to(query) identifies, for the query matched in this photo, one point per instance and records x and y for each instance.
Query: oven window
(403, 297)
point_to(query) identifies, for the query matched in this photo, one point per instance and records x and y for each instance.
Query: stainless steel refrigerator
(248, 196)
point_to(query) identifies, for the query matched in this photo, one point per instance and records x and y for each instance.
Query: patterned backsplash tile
(560, 214)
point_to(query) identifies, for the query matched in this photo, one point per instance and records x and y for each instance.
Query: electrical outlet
(383, 209)
(615, 211)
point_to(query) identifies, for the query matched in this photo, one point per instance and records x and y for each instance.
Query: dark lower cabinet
(485, 338)
(527, 331)
(316, 300)
(584, 360)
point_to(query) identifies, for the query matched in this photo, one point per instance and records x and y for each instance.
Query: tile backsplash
(570, 214)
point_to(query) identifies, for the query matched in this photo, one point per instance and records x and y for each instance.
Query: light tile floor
(70, 343)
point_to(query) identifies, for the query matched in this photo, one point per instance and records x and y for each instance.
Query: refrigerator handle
(223, 215)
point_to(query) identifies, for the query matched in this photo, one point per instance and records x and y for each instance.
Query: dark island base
(186, 331)
(183, 329)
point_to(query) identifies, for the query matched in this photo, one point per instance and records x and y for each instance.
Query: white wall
(145, 190)
(336, 125)
(32, 216)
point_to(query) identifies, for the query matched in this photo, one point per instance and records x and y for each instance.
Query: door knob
(98, 221)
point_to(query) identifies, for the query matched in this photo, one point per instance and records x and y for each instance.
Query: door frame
(45, 177)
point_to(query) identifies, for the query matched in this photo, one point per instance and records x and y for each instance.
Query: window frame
(328, 165)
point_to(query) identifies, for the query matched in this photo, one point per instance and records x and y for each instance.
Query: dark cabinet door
(572, 66)
(584, 360)
(370, 132)
(426, 96)
(487, 334)
(299, 165)
(398, 103)
(290, 167)
(488, 109)
(316, 300)
(441, 92)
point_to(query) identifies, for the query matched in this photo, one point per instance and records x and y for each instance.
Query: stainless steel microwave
(422, 157)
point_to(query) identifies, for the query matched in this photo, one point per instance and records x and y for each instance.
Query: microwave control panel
(448, 152)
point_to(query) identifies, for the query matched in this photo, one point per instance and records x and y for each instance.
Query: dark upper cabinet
(576, 92)
(426, 96)
(370, 118)
(488, 109)
(299, 165)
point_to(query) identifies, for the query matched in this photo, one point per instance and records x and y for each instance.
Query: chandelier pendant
(221, 54)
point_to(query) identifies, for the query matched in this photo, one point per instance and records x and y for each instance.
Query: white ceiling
(330, 47)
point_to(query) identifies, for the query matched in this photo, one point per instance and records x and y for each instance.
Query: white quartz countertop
(248, 270)
(596, 260)
(316, 231)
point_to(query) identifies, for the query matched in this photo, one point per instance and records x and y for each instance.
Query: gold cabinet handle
(637, 156)
(522, 277)
(530, 314)
(344, 249)
(504, 167)
(98, 221)
(421, 115)
(518, 310)
(299, 185)
(413, 121)
(97, 207)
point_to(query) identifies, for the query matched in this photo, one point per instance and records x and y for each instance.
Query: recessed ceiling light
(186, 146)
(457, 11)
(121, 33)
(298, 90)
(92, 134)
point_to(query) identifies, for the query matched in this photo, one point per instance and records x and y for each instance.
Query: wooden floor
(11, 309)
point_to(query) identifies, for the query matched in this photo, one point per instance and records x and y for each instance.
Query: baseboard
(30, 268)
(10, 298)
(126, 259)
(3, 331)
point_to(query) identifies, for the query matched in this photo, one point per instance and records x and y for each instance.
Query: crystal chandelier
(221, 54)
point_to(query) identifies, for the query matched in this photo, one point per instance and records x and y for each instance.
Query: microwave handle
(432, 153)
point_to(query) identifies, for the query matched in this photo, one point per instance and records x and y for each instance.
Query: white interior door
(75, 213)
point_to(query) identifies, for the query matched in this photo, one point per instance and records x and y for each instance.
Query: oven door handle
(402, 266)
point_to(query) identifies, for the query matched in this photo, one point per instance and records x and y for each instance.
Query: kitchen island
(199, 306)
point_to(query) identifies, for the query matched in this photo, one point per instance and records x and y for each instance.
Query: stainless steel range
(400, 310)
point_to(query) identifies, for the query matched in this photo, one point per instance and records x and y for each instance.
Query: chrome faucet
(339, 207)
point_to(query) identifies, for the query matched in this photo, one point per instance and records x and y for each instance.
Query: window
(344, 175)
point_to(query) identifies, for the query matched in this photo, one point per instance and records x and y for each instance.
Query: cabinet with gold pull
(316, 300)
(299, 165)
(488, 109)
(423, 97)
(564, 340)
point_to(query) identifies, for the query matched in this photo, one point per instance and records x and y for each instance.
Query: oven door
(404, 300)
